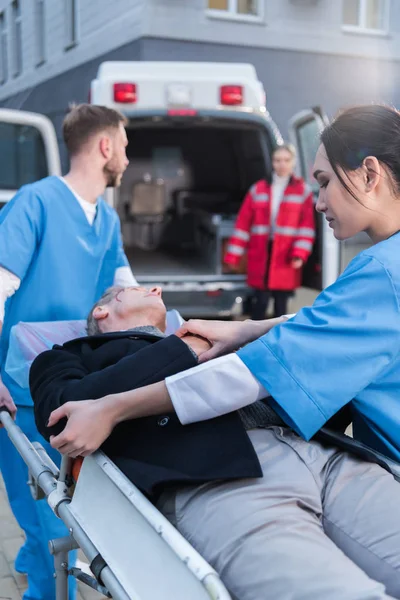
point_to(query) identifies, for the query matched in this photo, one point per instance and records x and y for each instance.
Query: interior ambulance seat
(147, 211)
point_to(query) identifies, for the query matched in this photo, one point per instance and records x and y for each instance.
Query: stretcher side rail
(47, 481)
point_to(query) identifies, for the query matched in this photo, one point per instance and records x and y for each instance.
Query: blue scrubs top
(345, 348)
(64, 263)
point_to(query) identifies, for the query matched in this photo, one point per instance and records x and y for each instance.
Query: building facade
(306, 52)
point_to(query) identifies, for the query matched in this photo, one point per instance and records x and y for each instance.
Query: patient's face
(136, 300)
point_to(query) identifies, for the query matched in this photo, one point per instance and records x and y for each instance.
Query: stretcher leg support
(59, 549)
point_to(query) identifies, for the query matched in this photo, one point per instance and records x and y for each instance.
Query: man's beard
(113, 176)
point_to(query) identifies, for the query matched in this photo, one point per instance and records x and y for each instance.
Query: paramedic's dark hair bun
(361, 131)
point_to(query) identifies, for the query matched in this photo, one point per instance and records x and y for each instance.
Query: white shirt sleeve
(9, 283)
(124, 277)
(215, 388)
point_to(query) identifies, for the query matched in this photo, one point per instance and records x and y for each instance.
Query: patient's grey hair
(92, 324)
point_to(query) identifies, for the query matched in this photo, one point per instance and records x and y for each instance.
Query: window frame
(17, 48)
(4, 67)
(71, 11)
(40, 32)
(232, 14)
(362, 12)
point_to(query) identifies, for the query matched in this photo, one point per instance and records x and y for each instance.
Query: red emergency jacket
(293, 237)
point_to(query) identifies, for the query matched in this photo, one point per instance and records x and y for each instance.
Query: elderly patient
(126, 348)
(207, 477)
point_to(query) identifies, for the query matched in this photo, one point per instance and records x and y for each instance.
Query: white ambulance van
(199, 136)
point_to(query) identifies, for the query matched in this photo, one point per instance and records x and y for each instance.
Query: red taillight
(181, 112)
(213, 293)
(125, 93)
(231, 95)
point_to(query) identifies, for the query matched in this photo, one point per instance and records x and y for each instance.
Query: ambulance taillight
(125, 93)
(231, 95)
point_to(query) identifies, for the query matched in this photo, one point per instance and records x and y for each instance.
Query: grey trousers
(319, 524)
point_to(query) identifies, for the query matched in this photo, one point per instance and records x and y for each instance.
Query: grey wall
(303, 26)
(293, 80)
(105, 25)
(102, 26)
(296, 80)
(52, 97)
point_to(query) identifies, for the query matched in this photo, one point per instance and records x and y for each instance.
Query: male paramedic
(57, 236)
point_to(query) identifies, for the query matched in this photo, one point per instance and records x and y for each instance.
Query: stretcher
(133, 550)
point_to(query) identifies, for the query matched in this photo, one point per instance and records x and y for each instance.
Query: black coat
(153, 451)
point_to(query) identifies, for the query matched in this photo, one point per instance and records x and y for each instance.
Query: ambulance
(199, 136)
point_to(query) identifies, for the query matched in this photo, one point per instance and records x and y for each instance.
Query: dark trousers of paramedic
(261, 298)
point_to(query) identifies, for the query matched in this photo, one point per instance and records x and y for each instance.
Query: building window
(40, 33)
(17, 37)
(71, 23)
(3, 49)
(236, 9)
(366, 15)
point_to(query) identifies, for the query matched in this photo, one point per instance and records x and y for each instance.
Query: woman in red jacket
(276, 226)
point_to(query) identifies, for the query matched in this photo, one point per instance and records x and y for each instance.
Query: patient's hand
(226, 336)
(198, 344)
(89, 425)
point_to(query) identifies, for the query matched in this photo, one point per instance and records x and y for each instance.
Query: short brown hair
(85, 120)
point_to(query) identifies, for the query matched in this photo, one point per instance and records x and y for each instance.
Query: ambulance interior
(183, 187)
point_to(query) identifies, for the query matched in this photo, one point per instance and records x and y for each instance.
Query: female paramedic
(320, 523)
(60, 248)
(276, 226)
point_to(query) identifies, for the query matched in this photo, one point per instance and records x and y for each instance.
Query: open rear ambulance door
(28, 150)
(323, 266)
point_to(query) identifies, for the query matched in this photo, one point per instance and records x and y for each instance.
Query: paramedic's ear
(106, 147)
(372, 172)
(100, 313)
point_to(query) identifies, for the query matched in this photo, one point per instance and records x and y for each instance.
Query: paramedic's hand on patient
(198, 344)
(227, 336)
(90, 422)
(6, 400)
(89, 425)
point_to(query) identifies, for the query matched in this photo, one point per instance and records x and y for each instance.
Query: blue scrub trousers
(35, 517)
